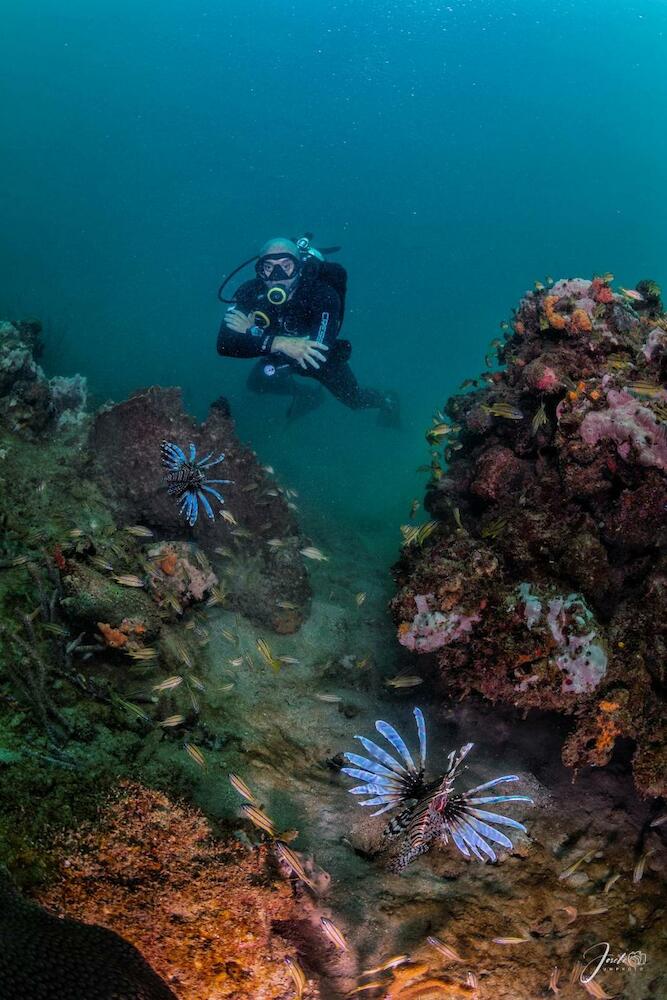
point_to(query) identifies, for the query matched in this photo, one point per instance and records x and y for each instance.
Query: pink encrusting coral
(431, 630)
(548, 380)
(581, 658)
(631, 425)
(542, 377)
(656, 344)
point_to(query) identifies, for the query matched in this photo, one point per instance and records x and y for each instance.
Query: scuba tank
(328, 271)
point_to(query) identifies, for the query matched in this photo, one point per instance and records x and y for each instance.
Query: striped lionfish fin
(206, 505)
(421, 731)
(375, 751)
(372, 766)
(490, 784)
(397, 742)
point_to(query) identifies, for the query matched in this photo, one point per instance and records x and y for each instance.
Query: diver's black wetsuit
(313, 310)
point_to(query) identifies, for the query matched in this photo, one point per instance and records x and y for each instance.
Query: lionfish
(187, 481)
(431, 811)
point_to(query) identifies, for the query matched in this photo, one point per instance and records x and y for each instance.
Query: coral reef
(129, 687)
(258, 540)
(545, 583)
(204, 916)
(31, 404)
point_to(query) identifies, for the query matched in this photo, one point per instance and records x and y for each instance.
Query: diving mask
(277, 267)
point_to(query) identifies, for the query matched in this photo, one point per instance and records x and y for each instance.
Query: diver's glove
(302, 350)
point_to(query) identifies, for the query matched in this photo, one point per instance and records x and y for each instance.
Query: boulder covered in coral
(254, 538)
(91, 597)
(544, 584)
(206, 916)
(30, 404)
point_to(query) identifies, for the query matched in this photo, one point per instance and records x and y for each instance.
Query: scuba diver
(289, 316)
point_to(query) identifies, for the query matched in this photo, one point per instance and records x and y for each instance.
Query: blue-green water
(457, 151)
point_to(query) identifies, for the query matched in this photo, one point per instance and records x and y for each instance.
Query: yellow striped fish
(171, 721)
(259, 818)
(445, 950)
(239, 785)
(128, 580)
(334, 933)
(287, 855)
(134, 709)
(298, 976)
(138, 530)
(169, 684)
(195, 753)
(143, 653)
(391, 963)
(267, 655)
(310, 552)
(425, 530)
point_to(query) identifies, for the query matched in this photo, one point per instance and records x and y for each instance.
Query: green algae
(46, 791)
(94, 598)
(64, 750)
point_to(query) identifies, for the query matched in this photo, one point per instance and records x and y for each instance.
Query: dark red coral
(499, 474)
(600, 291)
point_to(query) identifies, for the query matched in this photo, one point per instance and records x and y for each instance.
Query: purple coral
(583, 661)
(629, 425)
(656, 343)
(431, 630)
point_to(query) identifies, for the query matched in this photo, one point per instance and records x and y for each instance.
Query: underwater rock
(91, 598)
(31, 404)
(49, 957)
(202, 911)
(499, 474)
(559, 488)
(261, 541)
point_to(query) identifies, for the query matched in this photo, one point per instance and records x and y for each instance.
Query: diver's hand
(236, 320)
(301, 349)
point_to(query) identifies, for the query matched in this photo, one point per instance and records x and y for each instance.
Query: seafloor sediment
(132, 683)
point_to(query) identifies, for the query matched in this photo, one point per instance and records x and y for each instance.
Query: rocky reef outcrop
(30, 404)
(542, 581)
(256, 542)
(106, 674)
(206, 915)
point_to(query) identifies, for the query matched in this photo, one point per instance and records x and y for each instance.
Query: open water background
(456, 151)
